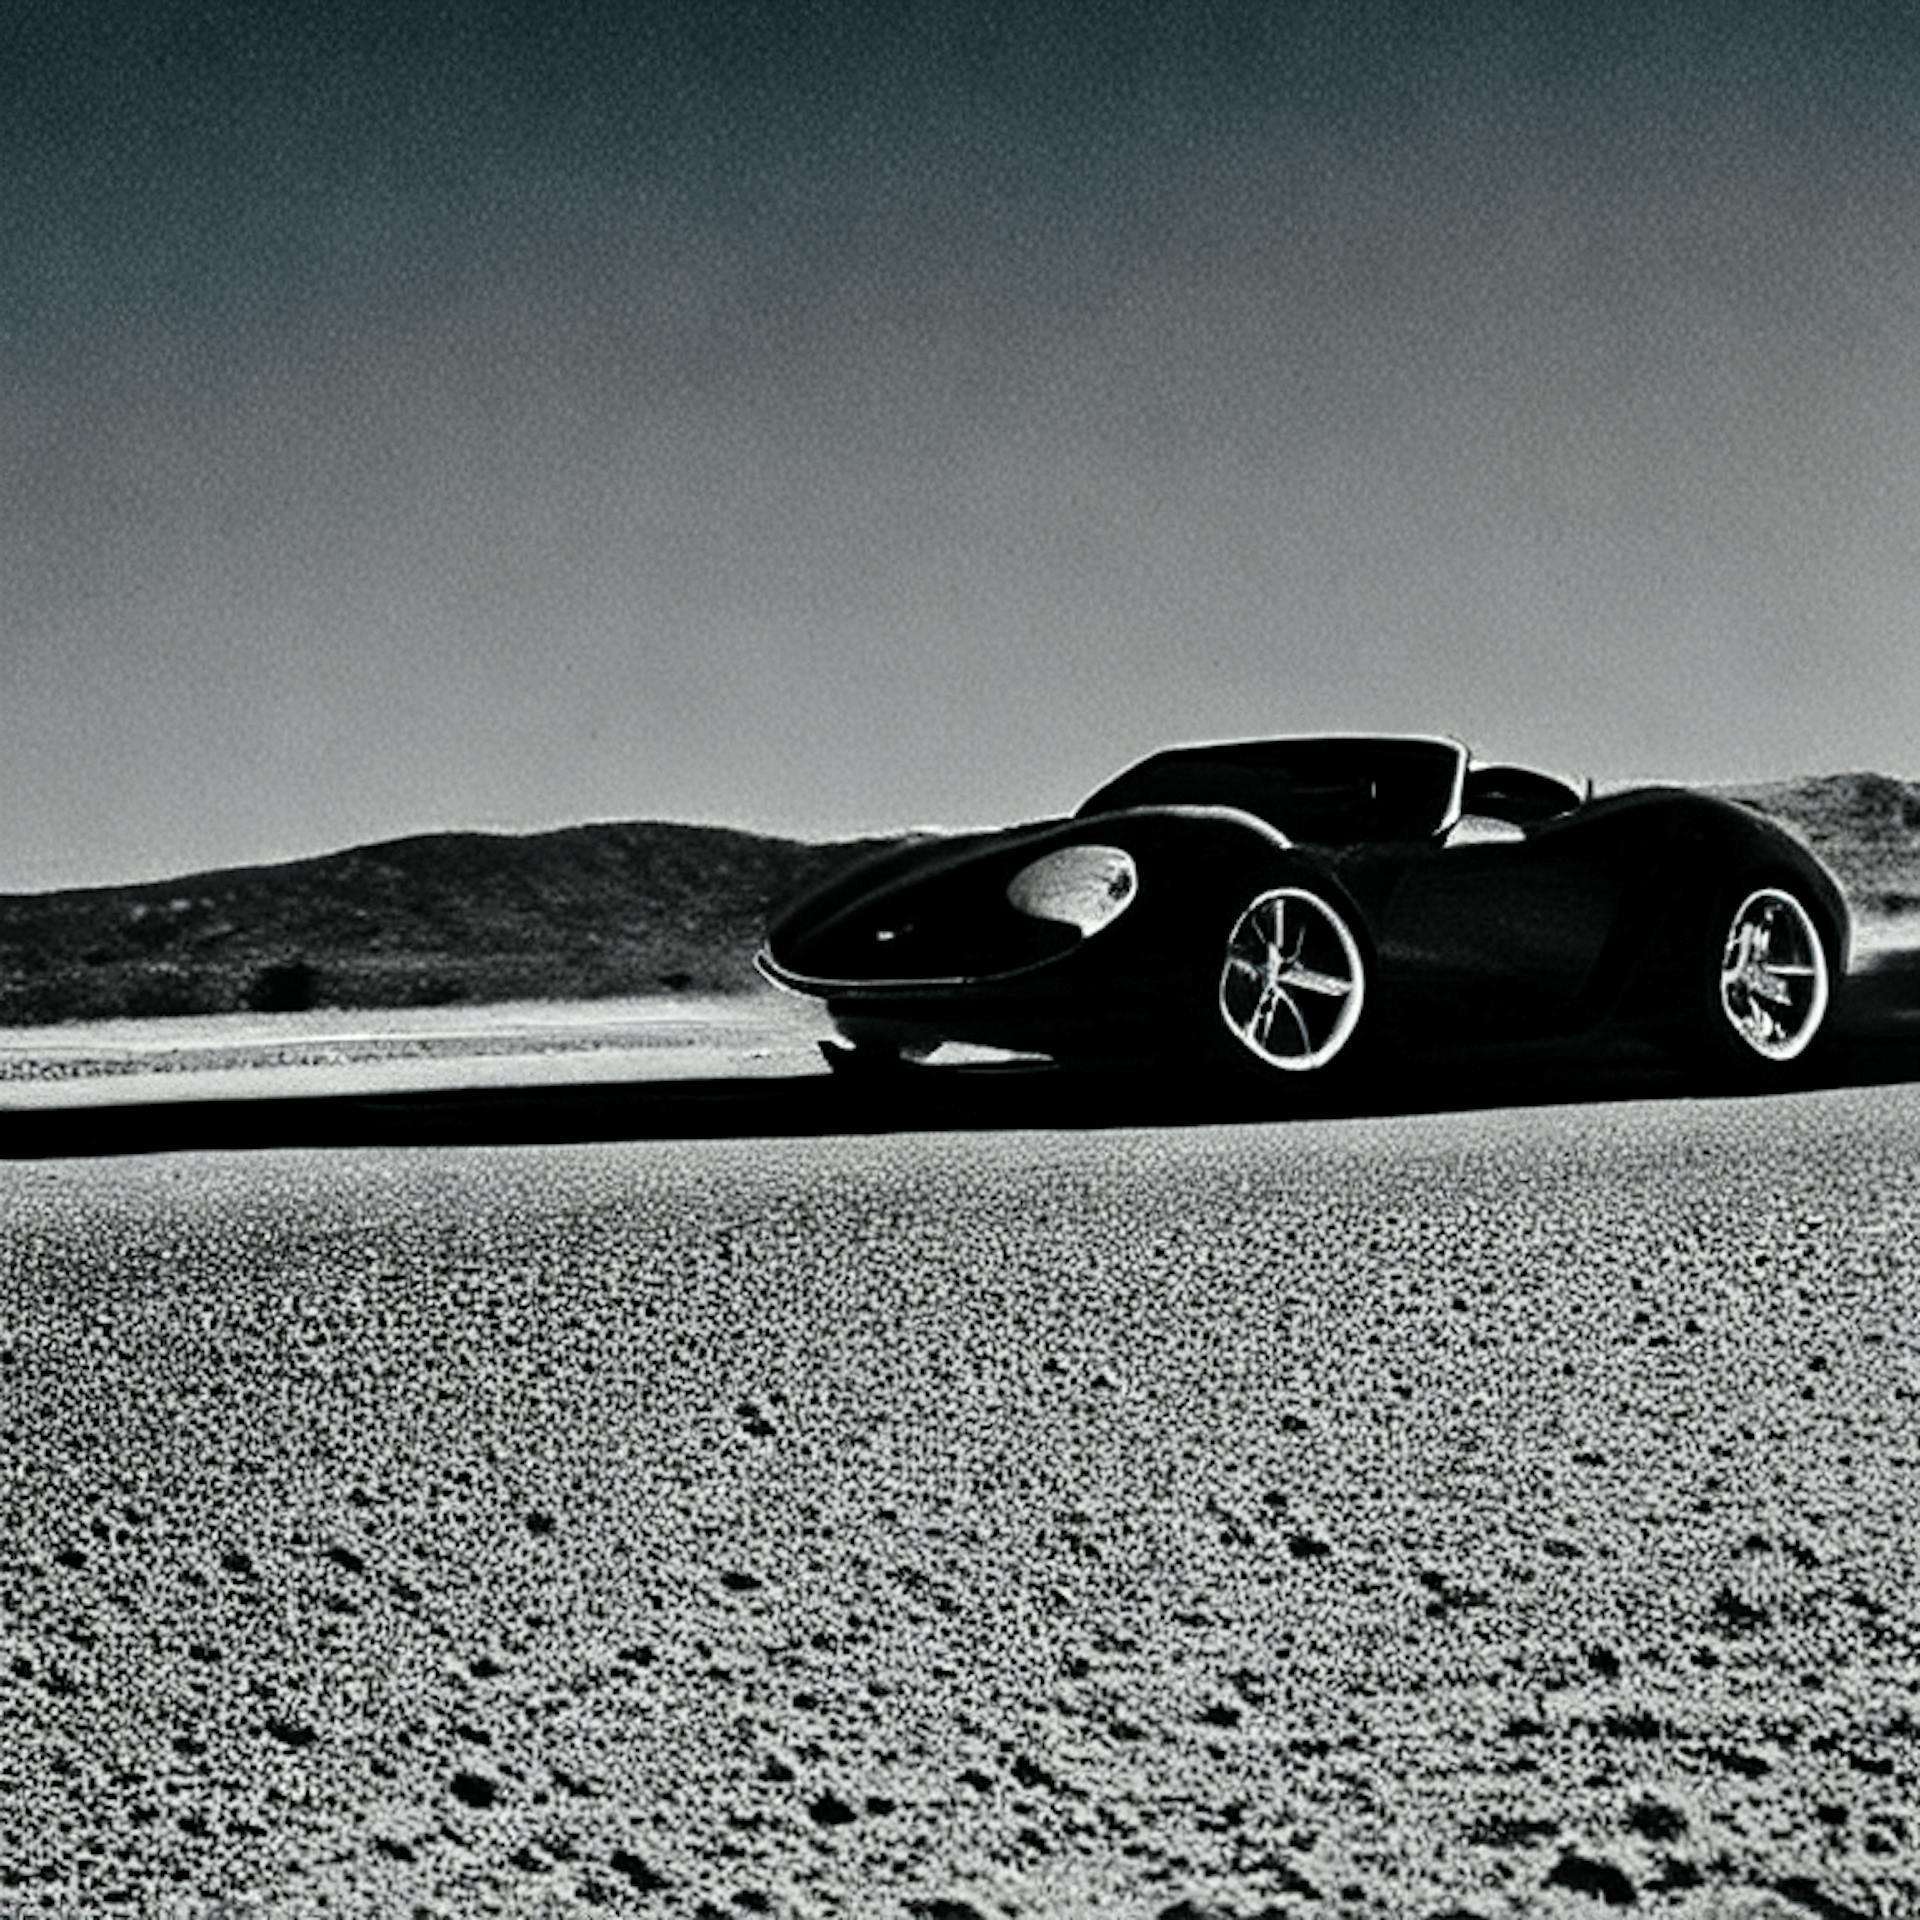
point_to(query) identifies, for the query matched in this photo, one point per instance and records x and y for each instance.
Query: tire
(874, 1051)
(867, 1064)
(1769, 984)
(1291, 985)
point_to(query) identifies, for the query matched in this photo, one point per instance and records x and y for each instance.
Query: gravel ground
(197, 1045)
(1487, 1514)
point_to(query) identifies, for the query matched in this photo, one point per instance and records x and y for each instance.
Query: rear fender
(1688, 853)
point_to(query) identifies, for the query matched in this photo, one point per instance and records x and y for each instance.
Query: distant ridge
(586, 912)
(1865, 826)
(579, 913)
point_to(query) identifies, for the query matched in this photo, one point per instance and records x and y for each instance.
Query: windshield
(1321, 789)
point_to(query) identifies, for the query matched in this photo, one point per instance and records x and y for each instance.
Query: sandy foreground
(1467, 1514)
(331, 1050)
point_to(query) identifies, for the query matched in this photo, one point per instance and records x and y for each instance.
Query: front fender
(941, 917)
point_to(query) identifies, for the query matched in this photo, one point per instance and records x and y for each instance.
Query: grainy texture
(1505, 1513)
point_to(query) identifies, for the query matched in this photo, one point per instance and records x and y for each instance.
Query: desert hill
(585, 912)
(1866, 826)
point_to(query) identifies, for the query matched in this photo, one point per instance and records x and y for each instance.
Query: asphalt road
(1476, 1511)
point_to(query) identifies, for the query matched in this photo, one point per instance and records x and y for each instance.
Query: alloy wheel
(1774, 984)
(1294, 980)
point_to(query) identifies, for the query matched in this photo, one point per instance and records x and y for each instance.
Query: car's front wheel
(1292, 982)
(1772, 984)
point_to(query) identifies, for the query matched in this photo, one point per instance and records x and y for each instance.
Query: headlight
(1081, 887)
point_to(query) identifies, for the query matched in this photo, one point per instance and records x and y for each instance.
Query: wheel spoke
(1299, 1023)
(1311, 980)
(1271, 1002)
(1289, 950)
(1260, 1026)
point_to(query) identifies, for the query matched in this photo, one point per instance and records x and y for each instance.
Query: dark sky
(826, 418)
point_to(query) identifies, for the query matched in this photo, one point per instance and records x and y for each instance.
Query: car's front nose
(999, 909)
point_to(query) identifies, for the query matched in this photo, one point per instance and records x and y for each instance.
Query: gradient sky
(825, 418)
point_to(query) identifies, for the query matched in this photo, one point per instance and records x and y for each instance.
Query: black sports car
(1287, 905)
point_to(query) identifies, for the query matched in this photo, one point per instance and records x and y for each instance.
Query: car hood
(952, 889)
(917, 862)
(940, 909)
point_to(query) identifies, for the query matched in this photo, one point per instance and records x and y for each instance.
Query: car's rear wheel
(1293, 982)
(1771, 986)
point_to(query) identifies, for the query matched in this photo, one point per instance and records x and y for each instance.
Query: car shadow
(1881, 1047)
(1874, 1041)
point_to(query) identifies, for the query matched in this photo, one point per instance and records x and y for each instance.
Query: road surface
(1489, 1512)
